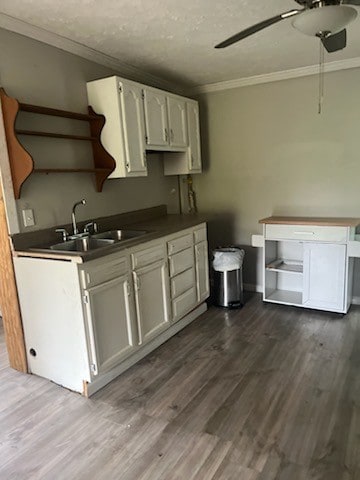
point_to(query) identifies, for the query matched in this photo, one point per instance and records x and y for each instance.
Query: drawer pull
(304, 233)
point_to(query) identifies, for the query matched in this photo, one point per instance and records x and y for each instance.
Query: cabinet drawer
(182, 282)
(183, 304)
(180, 243)
(181, 261)
(306, 233)
(147, 256)
(200, 235)
(99, 271)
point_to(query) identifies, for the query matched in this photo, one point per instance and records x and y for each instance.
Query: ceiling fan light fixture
(330, 19)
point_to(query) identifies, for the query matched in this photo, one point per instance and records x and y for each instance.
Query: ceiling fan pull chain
(321, 76)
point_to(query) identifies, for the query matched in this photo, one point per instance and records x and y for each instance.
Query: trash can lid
(227, 249)
(227, 259)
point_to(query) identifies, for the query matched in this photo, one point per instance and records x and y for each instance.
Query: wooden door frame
(9, 302)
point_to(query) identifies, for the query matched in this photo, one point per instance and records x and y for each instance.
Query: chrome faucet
(73, 218)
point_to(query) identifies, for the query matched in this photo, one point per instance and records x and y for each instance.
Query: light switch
(28, 217)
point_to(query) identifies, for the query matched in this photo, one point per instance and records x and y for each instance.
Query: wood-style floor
(267, 392)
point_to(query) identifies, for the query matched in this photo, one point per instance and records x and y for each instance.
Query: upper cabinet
(123, 135)
(140, 118)
(194, 136)
(190, 160)
(178, 135)
(165, 120)
(156, 118)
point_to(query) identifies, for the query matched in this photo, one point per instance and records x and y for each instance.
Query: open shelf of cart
(286, 266)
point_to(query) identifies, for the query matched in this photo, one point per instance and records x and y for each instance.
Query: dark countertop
(155, 221)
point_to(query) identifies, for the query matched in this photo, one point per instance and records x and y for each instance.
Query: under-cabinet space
(283, 272)
(283, 288)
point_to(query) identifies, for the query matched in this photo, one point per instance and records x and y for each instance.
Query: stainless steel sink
(119, 235)
(83, 244)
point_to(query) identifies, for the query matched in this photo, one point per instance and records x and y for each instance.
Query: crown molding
(36, 33)
(276, 76)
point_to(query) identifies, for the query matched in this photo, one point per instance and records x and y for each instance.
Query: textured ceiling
(174, 39)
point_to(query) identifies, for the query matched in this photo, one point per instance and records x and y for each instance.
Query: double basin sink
(97, 240)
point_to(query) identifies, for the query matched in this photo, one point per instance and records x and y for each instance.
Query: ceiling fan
(324, 19)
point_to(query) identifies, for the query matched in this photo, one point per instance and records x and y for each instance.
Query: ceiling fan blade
(256, 28)
(335, 42)
(351, 2)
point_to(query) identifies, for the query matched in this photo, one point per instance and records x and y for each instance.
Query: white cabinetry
(194, 136)
(308, 265)
(324, 276)
(156, 118)
(202, 271)
(140, 118)
(151, 284)
(109, 315)
(189, 161)
(177, 122)
(85, 323)
(189, 270)
(165, 120)
(123, 135)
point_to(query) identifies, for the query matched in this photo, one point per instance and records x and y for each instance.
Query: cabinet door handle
(136, 281)
(304, 233)
(166, 135)
(128, 166)
(171, 134)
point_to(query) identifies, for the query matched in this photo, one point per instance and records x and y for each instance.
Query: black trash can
(228, 282)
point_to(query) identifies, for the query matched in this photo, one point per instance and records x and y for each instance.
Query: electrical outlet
(28, 217)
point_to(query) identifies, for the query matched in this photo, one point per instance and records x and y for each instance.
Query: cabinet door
(156, 120)
(177, 122)
(194, 137)
(324, 276)
(152, 300)
(132, 110)
(202, 271)
(110, 323)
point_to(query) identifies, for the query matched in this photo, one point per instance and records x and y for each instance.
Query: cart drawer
(309, 233)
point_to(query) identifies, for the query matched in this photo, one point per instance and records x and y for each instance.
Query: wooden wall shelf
(54, 135)
(22, 163)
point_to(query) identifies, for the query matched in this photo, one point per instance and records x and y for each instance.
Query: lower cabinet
(152, 299)
(110, 322)
(107, 313)
(324, 276)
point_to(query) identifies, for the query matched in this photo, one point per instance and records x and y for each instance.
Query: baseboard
(355, 301)
(250, 287)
